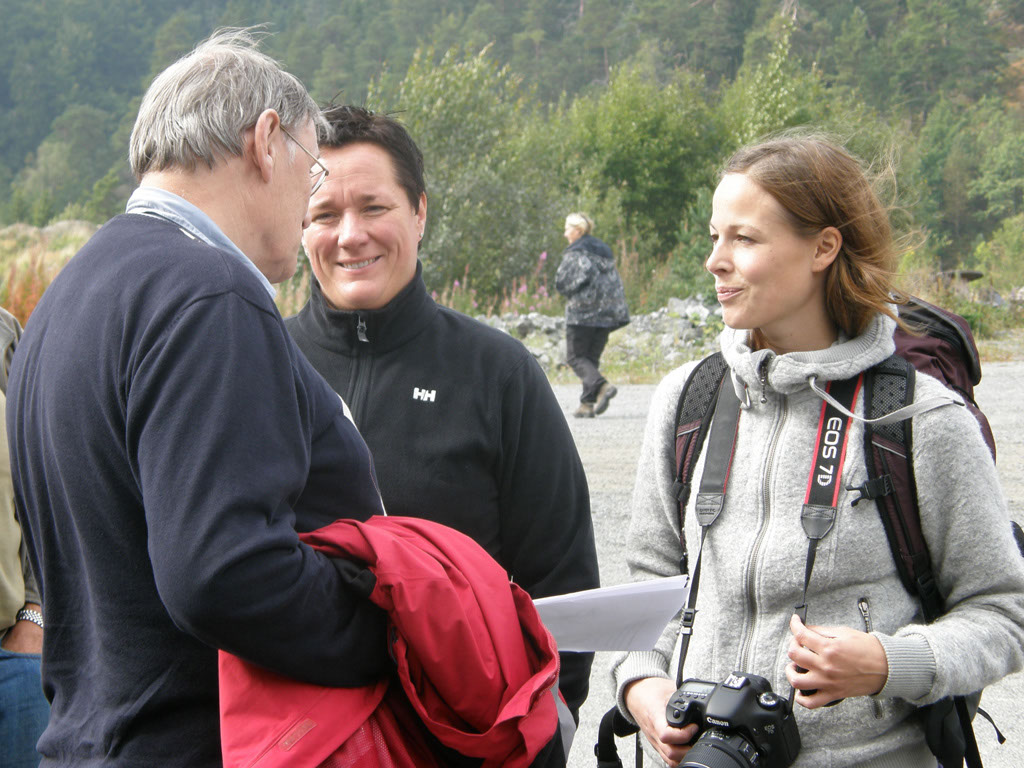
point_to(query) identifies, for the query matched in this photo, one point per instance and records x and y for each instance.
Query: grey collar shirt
(153, 201)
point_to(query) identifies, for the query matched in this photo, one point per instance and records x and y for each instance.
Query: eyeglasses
(318, 172)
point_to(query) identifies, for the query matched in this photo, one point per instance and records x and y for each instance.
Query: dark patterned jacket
(588, 279)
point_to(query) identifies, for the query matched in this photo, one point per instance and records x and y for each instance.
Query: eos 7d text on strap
(819, 511)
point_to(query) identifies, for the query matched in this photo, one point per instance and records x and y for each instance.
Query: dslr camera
(741, 723)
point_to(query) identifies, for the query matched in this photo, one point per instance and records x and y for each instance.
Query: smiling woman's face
(364, 235)
(768, 276)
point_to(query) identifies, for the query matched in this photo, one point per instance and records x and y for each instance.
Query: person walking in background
(595, 306)
(23, 708)
(169, 441)
(462, 422)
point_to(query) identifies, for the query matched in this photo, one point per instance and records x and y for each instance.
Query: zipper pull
(865, 613)
(764, 379)
(361, 330)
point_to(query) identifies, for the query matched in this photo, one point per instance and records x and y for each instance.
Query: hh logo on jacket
(426, 395)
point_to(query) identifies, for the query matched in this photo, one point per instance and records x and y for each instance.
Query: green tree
(969, 162)
(1001, 257)
(173, 39)
(860, 62)
(644, 146)
(68, 161)
(704, 37)
(488, 203)
(1000, 179)
(943, 48)
(781, 93)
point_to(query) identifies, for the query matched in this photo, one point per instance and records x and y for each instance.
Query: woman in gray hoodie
(802, 256)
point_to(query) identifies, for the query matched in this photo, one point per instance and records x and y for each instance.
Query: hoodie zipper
(751, 571)
(865, 612)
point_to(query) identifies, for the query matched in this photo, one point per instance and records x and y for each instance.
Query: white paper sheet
(625, 617)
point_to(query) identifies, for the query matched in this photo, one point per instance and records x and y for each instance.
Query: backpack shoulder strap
(888, 453)
(693, 419)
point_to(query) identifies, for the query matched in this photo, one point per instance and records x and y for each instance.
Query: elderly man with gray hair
(168, 439)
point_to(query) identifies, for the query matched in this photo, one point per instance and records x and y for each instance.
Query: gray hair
(198, 109)
(581, 222)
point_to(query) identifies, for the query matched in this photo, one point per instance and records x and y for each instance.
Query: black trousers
(583, 347)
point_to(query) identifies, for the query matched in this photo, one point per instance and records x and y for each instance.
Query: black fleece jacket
(464, 430)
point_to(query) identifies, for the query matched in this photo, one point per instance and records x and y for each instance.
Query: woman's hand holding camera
(834, 663)
(646, 700)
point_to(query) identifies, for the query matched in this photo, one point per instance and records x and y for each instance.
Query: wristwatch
(28, 614)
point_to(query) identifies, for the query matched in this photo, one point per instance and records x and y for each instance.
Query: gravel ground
(609, 445)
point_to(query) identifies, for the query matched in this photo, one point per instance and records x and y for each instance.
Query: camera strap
(820, 502)
(823, 483)
(711, 497)
(822, 497)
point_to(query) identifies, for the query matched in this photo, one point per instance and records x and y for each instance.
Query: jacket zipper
(759, 541)
(361, 375)
(865, 612)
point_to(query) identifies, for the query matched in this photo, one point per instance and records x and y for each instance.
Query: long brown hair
(819, 184)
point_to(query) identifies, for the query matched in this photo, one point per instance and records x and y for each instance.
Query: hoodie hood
(793, 371)
(764, 370)
(599, 251)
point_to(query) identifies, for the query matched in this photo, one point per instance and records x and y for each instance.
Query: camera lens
(720, 749)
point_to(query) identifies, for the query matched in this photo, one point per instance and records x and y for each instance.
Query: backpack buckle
(874, 488)
(680, 490)
(928, 590)
(689, 614)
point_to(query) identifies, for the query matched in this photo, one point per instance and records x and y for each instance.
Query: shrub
(527, 293)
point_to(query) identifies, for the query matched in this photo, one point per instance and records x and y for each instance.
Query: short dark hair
(347, 124)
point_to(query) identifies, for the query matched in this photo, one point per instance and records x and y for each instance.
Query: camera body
(741, 723)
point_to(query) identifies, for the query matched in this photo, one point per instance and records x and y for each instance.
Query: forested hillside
(527, 109)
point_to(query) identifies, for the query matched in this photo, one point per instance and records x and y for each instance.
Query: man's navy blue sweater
(167, 441)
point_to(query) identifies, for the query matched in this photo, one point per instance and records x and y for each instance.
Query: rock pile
(681, 331)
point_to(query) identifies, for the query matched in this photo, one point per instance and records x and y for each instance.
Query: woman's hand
(646, 700)
(834, 662)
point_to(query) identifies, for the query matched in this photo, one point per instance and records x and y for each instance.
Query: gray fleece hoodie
(754, 557)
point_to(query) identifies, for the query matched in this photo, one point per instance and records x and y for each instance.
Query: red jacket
(472, 656)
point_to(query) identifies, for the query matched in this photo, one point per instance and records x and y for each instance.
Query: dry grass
(1006, 347)
(30, 257)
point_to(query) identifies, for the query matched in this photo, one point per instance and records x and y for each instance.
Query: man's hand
(646, 700)
(837, 663)
(24, 636)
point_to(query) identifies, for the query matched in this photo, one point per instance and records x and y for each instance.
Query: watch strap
(29, 614)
